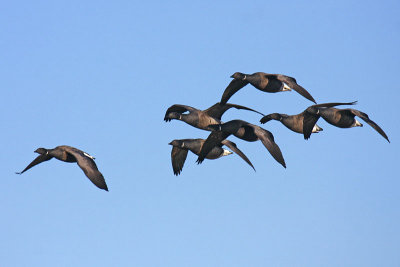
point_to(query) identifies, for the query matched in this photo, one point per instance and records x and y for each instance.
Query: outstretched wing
(309, 120)
(214, 139)
(39, 159)
(217, 110)
(267, 139)
(365, 117)
(177, 108)
(178, 158)
(89, 167)
(291, 82)
(234, 86)
(235, 149)
(333, 104)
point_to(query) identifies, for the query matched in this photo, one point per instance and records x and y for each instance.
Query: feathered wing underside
(177, 108)
(291, 82)
(235, 149)
(217, 110)
(39, 159)
(234, 86)
(178, 158)
(89, 167)
(214, 139)
(365, 117)
(267, 139)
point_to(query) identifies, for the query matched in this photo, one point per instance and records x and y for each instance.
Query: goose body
(200, 119)
(71, 154)
(342, 118)
(292, 122)
(182, 146)
(245, 131)
(266, 82)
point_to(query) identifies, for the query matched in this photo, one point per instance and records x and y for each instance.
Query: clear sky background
(99, 76)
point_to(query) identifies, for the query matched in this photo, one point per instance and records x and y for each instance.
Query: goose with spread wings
(271, 83)
(245, 131)
(201, 118)
(181, 147)
(342, 118)
(71, 154)
(295, 122)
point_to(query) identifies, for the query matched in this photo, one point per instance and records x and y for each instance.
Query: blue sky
(99, 76)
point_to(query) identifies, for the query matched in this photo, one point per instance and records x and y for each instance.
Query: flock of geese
(210, 120)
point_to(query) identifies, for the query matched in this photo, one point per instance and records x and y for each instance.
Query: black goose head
(173, 116)
(41, 151)
(238, 76)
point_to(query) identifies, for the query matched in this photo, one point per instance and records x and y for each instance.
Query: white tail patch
(87, 155)
(316, 129)
(226, 152)
(286, 87)
(357, 123)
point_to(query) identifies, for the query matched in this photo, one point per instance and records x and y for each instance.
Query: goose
(245, 131)
(181, 147)
(295, 122)
(201, 118)
(271, 83)
(342, 118)
(71, 154)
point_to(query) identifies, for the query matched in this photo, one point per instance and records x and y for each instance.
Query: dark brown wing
(309, 120)
(177, 108)
(178, 158)
(365, 117)
(311, 116)
(89, 167)
(217, 110)
(291, 82)
(235, 149)
(214, 139)
(39, 159)
(267, 139)
(234, 86)
(333, 104)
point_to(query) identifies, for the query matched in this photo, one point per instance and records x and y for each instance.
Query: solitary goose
(271, 83)
(245, 131)
(71, 154)
(342, 118)
(295, 122)
(201, 118)
(180, 149)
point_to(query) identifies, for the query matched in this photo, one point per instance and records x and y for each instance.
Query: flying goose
(245, 131)
(201, 118)
(180, 149)
(71, 154)
(342, 118)
(295, 122)
(271, 83)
